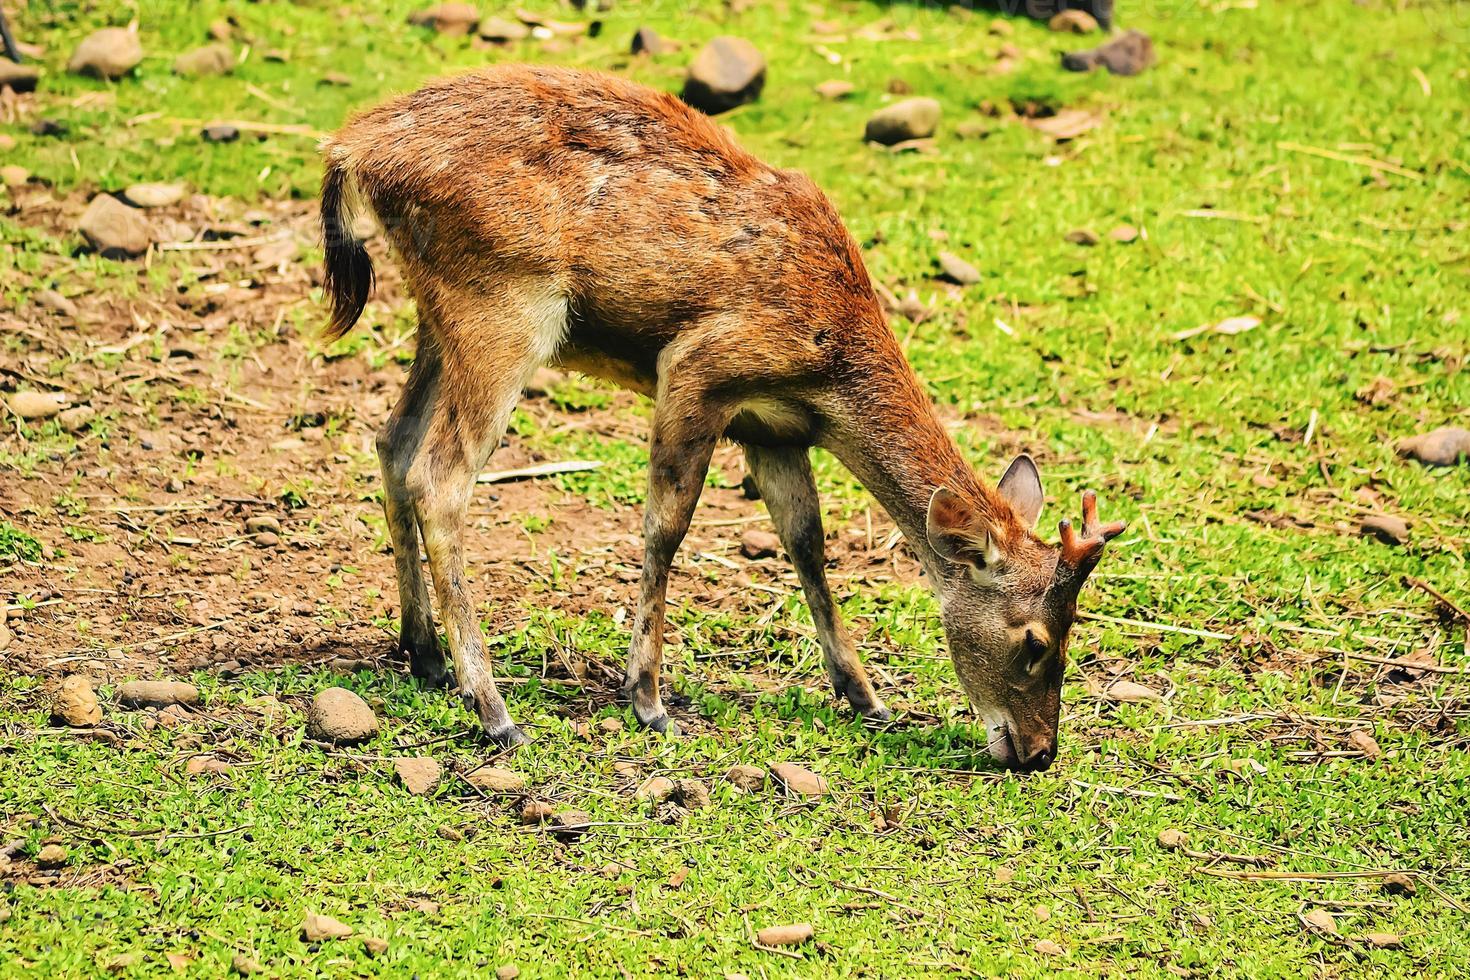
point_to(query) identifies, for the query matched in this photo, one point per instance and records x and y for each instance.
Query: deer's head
(1007, 600)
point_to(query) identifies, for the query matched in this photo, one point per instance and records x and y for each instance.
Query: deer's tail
(348, 272)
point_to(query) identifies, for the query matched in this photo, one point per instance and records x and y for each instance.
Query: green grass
(1357, 272)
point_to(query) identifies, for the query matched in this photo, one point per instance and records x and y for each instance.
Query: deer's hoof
(432, 672)
(878, 713)
(660, 723)
(508, 737)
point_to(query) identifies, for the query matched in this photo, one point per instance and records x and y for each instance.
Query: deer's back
(644, 210)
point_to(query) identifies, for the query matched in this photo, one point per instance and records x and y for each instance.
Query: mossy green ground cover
(1304, 163)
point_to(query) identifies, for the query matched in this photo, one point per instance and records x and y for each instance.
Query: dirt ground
(192, 434)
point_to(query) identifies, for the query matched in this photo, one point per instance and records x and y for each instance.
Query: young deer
(543, 215)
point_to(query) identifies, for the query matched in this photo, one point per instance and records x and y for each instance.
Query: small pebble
(747, 778)
(759, 544)
(490, 779)
(52, 856)
(317, 927)
(799, 780)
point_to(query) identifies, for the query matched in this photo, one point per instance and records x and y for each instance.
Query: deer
(549, 216)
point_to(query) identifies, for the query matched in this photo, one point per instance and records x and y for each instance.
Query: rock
(957, 269)
(648, 41)
(374, 945)
(317, 927)
(1002, 28)
(611, 725)
(338, 715)
(419, 775)
(799, 780)
(746, 778)
(759, 544)
(1386, 528)
(498, 30)
(727, 72)
(1399, 883)
(1082, 236)
(1445, 446)
(508, 972)
(7, 142)
(793, 935)
(77, 418)
(1123, 234)
(910, 119)
(109, 53)
(266, 539)
(834, 89)
(1048, 947)
(448, 833)
(489, 779)
(221, 30)
(1365, 743)
(18, 78)
(1073, 22)
(1129, 693)
(212, 59)
(691, 794)
(536, 812)
(123, 962)
(570, 823)
(655, 788)
(1171, 839)
(36, 405)
(55, 302)
(201, 765)
(46, 126)
(220, 133)
(339, 80)
(245, 965)
(262, 523)
(76, 703)
(1321, 920)
(451, 19)
(1128, 54)
(14, 176)
(973, 129)
(157, 694)
(625, 770)
(52, 856)
(154, 195)
(1384, 940)
(114, 229)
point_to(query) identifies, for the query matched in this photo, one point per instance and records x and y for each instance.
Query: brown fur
(542, 214)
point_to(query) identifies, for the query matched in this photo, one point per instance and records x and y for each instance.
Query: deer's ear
(956, 535)
(1021, 486)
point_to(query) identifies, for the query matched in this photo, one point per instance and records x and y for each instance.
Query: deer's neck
(889, 436)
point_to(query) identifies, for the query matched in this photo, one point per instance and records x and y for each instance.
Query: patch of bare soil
(223, 516)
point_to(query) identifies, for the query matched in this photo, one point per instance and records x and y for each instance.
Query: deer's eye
(1034, 651)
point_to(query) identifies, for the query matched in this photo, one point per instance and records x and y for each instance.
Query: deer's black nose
(1038, 761)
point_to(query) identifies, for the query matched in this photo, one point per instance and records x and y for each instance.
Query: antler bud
(1080, 553)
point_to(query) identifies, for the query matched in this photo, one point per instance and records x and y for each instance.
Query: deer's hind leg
(398, 443)
(488, 342)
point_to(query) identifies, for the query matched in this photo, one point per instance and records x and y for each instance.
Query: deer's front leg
(684, 434)
(784, 476)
